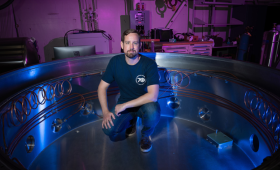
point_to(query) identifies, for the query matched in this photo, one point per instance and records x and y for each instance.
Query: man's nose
(131, 46)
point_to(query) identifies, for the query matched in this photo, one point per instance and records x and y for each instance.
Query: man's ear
(121, 44)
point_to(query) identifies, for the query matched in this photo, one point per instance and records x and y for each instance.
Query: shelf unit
(198, 48)
(212, 23)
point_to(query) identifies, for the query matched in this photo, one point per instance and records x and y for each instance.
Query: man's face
(131, 45)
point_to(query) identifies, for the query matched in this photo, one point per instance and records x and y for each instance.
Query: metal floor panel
(177, 144)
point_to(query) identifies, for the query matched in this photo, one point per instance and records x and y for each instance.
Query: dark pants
(149, 112)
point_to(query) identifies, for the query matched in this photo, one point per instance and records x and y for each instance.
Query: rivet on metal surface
(29, 144)
(54, 111)
(77, 131)
(56, 125)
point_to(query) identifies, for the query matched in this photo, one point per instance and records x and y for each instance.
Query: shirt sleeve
(108, 76)
(152, 74)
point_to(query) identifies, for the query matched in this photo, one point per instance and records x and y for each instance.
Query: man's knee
(152, 107)
(109, 131)
(151, 111)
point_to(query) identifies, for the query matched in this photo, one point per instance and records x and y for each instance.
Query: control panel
(140, 21)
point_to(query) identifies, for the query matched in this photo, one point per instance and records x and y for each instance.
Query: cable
(169, 1)
(108, 37)
(5, 5)
(83, 31)
(16, 25)
(66, 44)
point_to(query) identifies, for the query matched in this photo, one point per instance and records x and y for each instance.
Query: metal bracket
(176, 13)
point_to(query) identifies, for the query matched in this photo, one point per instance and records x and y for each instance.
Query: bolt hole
(87, 109)
(56, 125)
(254, 142)
(173, 103)
(29, 144)
(204, 114)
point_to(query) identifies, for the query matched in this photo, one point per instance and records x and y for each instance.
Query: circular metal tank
(51, 117)
(271, 48)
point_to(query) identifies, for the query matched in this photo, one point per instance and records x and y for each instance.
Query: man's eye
(127, 42)
(136, 43)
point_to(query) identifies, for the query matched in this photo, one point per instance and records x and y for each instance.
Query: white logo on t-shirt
(140, 79)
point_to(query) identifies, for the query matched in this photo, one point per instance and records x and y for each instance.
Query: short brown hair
(126, 32)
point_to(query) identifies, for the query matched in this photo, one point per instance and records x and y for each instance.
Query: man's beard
(131, 54)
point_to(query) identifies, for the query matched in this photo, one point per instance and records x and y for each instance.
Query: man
(138, 81)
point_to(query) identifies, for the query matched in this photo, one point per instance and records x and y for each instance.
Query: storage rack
(194, 21)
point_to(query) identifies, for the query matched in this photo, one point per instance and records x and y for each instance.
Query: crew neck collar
(135, 63)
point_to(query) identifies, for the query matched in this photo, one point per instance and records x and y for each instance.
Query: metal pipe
(220, 3)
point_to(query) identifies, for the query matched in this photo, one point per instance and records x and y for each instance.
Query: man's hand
(107, 119)
(119, 108)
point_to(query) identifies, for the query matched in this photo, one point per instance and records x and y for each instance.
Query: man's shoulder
(148, 60)
(117, 57)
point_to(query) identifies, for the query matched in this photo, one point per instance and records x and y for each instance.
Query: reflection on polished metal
(175, 78)
(173, 103)
(175, 146)
(204, 114)
(272, 50)
(220, 140)
(254, 143)
(63, 94)
(30, 143)
(88, 109)
(56, 125)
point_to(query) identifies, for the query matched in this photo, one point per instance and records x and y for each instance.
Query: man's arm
(151, 96)
(102, 96)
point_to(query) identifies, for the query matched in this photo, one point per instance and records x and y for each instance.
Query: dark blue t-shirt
(131, 79)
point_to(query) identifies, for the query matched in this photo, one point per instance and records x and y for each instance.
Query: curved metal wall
(209, 82)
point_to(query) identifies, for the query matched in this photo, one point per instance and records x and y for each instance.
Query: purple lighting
(271, 58)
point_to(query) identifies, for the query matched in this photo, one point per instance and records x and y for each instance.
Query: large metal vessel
(271, 51)
(51, 117)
